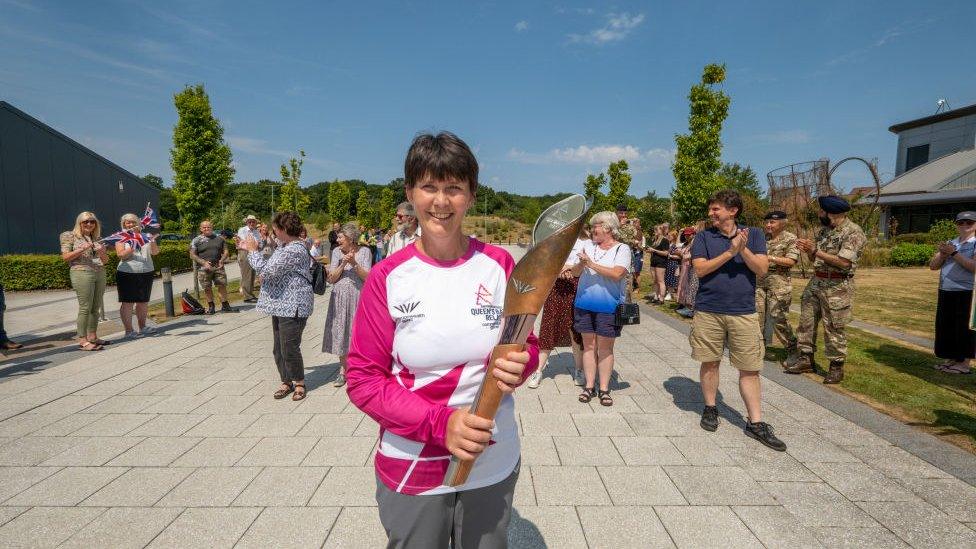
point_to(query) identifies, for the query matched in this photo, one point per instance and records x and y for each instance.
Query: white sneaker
(148, 330)
(340, 380)
(579, 378)
(534, 380)
(667, 297)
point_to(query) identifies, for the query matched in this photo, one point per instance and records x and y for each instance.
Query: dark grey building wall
(47, 179)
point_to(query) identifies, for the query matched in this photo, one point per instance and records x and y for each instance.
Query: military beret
(776, 214)
(833, 204)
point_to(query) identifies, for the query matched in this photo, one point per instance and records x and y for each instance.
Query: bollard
(168, 290)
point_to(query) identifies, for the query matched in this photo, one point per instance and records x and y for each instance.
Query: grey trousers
(287, 340)
(472, 519)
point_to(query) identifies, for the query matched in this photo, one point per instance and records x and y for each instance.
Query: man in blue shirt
(727, 257)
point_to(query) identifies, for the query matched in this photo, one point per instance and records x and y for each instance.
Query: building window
(916, 156)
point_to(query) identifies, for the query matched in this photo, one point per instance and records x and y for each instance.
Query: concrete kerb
(951, 459)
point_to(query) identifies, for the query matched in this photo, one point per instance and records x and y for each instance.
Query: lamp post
(273, 185)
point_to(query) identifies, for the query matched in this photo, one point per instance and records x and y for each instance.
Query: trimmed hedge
(50, 272)
(911, 255)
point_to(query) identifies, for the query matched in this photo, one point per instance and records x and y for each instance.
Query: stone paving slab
(175, 441)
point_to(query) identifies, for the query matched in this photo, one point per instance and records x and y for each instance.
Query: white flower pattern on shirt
(286, 282)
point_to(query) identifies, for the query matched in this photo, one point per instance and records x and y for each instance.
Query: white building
(935, 171)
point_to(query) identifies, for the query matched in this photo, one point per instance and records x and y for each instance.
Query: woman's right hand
(467, 434)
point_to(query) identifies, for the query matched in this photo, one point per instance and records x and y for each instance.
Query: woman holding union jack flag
(86, 256)
(135, 274)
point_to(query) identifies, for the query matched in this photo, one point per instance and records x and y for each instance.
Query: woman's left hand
(508, 370)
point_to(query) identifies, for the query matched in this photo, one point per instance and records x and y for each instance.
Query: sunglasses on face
(965, 222)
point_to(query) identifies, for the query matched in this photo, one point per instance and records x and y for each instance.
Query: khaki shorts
(209, 278)
(710, 332)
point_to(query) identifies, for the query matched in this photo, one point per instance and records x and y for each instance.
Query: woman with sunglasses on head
(954, 341)
(86, 256)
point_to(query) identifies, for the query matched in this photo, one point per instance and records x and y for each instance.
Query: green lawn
(898, 380)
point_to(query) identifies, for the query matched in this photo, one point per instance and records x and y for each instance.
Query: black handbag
(628, 312)
(318, 276)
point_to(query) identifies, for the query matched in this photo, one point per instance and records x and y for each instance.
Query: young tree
(154, 180)
(200, 159)
(292, 196)
(388, 206)
(366, 212)
(619, 184)
(744, 180)
(339, 201)
(699, 152)
(591, 189)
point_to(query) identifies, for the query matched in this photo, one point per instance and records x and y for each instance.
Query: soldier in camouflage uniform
(629, 236)
(774, 291)
(830, 293)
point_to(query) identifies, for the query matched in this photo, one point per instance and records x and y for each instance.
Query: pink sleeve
(371, 386)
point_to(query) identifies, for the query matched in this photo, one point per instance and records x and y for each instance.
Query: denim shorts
(589, 322)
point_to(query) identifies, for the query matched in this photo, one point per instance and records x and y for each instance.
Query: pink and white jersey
(421, 339)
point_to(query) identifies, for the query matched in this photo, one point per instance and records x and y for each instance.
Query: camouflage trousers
(775, 303)
(830, 301)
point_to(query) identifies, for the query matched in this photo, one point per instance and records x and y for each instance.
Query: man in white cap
(250, 229)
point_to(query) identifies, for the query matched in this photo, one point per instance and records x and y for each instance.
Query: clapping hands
(946, 248)
(739, 241)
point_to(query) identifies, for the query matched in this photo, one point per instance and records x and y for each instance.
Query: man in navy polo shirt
(727, 257)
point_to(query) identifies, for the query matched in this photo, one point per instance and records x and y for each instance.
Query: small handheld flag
(149, 219)
(135, 239)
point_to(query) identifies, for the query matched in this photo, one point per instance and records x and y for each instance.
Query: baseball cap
(966, 216)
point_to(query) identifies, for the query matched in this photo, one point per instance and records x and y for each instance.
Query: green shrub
(942, 230)
(50, 272)
(913, 238)
(911, 255)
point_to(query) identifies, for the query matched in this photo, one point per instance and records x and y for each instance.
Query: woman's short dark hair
(443, 157)
(728, 198)
(288, 222)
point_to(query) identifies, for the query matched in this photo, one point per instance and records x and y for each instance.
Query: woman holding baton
(428, 318)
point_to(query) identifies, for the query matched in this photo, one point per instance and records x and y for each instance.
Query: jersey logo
(522, 287)
(406, 308)
(482, 297)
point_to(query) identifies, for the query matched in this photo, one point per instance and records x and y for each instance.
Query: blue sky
(545, 92)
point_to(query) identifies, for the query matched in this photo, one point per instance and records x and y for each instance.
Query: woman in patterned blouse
(286, 295)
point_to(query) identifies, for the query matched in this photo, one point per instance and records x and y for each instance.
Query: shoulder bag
(628, 312)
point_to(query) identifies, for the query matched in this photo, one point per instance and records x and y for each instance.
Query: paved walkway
(41, 314)
(175, 441)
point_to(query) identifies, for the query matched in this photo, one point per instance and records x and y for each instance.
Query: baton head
(558, 216)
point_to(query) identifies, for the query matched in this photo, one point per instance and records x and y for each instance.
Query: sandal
(943, 365)
(605, 398)
(957, 370)
(299, 392)
(102, 342)
(587, 394)
(283, 392)
(90, 346)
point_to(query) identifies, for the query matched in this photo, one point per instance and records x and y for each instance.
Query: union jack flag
(135, 239)
(149, 219)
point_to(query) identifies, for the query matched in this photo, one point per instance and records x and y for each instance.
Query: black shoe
(226, 308)
(210, 308)
(762, 432)
(709, 420)
(251, 300)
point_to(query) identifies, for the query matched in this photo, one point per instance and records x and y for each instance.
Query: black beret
(621, 207)
(833, 204)
(776, 214)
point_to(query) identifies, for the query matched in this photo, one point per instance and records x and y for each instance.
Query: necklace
(597, 258)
